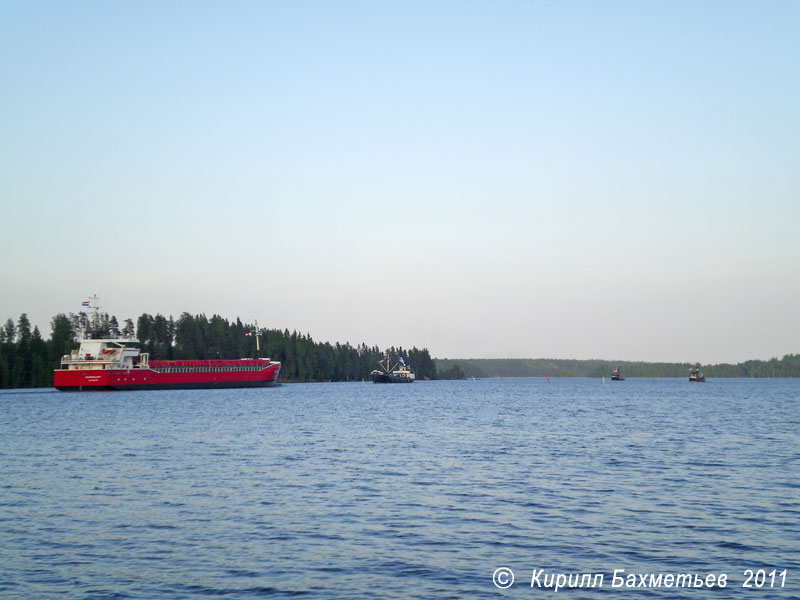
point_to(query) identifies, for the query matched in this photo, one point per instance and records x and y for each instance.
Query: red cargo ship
(118, 364)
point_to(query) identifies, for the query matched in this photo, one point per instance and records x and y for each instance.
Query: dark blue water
(411, 491)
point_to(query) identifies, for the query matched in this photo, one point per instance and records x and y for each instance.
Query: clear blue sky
(613, 180)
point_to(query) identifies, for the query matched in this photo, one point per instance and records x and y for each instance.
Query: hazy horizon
(506, 180)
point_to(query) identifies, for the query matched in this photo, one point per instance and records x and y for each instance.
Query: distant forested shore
(28, 360)
(788, 366)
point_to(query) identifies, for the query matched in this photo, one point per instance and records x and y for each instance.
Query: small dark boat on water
(401, 373)
(695, 375)
(616, 375)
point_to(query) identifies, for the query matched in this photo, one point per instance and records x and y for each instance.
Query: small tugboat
(695, 375)
(616, 375)
(401, 373)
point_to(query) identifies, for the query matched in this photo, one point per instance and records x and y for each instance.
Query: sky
(512, 179)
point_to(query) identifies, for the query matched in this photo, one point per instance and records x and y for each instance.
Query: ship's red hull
(149, 379)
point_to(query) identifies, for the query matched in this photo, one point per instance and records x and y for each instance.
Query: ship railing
(68, 360)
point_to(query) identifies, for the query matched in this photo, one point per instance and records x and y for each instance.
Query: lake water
(351, 490)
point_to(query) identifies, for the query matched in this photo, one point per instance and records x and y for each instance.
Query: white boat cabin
(106, 353)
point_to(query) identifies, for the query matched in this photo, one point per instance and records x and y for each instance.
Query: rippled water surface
(355, 490)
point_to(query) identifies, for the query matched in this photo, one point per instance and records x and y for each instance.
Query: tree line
(788, 366)
(28, 360)
(302, 359)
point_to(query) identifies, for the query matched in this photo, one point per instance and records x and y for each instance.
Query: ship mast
(92, 325)
(95, 310)
(256, 332)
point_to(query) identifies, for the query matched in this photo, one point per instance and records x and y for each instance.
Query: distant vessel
(116, 363)
(695, 375)
(616, 375)
(401, 373)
